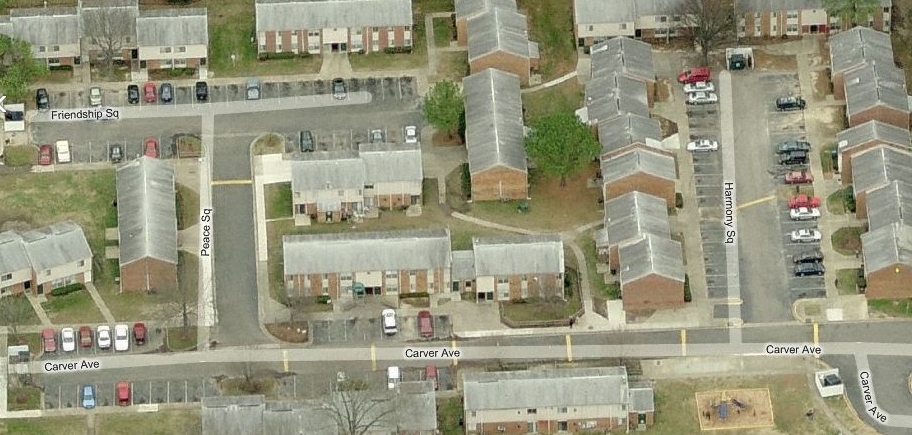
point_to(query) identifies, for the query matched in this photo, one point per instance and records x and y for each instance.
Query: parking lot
(309, 386)
(335, 140)
(66, 395)
(367, 329)
(154, 341)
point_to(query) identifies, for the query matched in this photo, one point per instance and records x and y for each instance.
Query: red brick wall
(147, 274)
(633, 146)
(270, 42)
(504, 62)
(462, 35)
(387, 202)
(888, 284)
(543, 427)
(486, 185)
(633, 420)
(645, 183)
(861, 207)
(882, 114)
(16, 289)
(846, 169)
(652, 292)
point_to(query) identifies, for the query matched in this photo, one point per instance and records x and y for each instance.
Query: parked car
(702, 98)
(803, 200)
(45, 155)
(133, 94)
(793, 158)
(815, 256)
(430, 374)
(693, 75)
(42, 100)
(85, 336)
(805, 235)
(139, 333)
(388, 320)
(121, 338)
(149, 94)
(393, 376)
(122, 391)
(103, 336)
(377, 136)
(63, 151)
(699, 87)
(425, 324)
(49, 339)
(253, 88)
(338, 88)
(202, 91)
(804, 214)
(703, 145)
(793, 145)
(306, 140)
(411, 134)
(150, 147)
(88, 397)
(167, 93)
(790, 103)
(68, 339)
(799, 177)
(809, 269)
(115, 153)
(94, 96)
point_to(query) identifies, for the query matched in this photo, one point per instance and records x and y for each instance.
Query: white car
(393, 376)
(103, 337)
(702, 98)
(121, 338)
(703, 145)
(63, 151)
(68, 339)
(804, 214)
(94, 96)
(388, 320)
(699, 87)
(411, 134)
(807, 235)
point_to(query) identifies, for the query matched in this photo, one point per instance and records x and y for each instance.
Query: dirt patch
(668, 126)
(443, 139)
(734, 409)
(663, 90)
(289, 332)
(822, 85)
(774, 62)
(269, 144)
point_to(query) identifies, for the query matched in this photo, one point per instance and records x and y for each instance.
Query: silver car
(94, 96)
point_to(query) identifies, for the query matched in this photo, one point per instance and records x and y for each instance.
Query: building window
(164, 49)
(392, 274)
(341, 192)
(412, 273)
(532, 411)
(47, 272)
(677, 18)
(661, 19)
(81, 263)
(562, 411)
(53, 61)
(313, 34)
(774, 29)
(792, 28)
(756, 15)
(262, 47)
(886, 9)
(775, 14)
(6, 277)
(325, 277)
(407, 42)
(128, 39)
(42, 49)
(346, 277)
(181, 49)
(791, 14)
(562, 425)
(623, 26)
(376, 29)
(56, 48)
(389, 29)
(502, 281)
(358, 32)
(590, 28)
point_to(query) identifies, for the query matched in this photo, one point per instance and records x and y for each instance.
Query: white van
(393, 376)
(388, 320)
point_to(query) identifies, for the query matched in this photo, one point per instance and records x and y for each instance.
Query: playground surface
(734, 409)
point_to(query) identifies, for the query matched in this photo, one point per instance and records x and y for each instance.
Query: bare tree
(356, 410)
(707, 23)
(107, 28)
(13, 313)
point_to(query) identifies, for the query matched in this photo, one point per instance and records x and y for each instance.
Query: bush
(687, 295)
(466, 181)
(65, 290)
(282, 55)
(398, 50)
(324, 299)
(849, 197)
(679, 200)
(61, 68)
(413, 295)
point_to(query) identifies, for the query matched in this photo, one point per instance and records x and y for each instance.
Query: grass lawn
(565, 97)
(76, 307)
(847, 280)
(23, 398)
(422, 7)
(444, 32)
(596, 280)
(47, 425)
(188, 207)
(25, 155)
(835, 203)
(452, 66)
(133, 306)
(901, 308)
(551, 26)
(17, 310)
(181, 339)
(537, 310)
(269, 144)
(449, 411)
(826, 161)
(847, 241)
(278, 200)
(171, 422)
(902, 37)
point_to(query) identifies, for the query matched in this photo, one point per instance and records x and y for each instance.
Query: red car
(150, 147)
(425, 324)
(49, 338)
(85, 336)
(799, 177)
(45, 155)
(139, 333)
(799, 201)
(693, 75)
(149, 92)
(123, 393)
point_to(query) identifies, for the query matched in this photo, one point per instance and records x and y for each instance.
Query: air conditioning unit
(501, 429)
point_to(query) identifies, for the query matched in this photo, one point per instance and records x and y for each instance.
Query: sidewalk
(99, 302)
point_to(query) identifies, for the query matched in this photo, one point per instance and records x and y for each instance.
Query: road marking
(683, 342)
(373, 357)
(285, 360)
(569, 348)
(231, 182)
(756, 201)
(455, 361)
(816, 338)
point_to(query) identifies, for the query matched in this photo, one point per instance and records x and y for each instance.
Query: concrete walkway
(99, 302)
(39, 310)
(551, 83)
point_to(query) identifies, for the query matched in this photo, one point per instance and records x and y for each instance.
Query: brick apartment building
(776, 18)
(855, 140)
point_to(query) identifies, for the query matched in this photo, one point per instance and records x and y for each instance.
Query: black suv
(133, 94)
(793, 145)
(790, 103)
(793, 158)
(338, 88)
(809, 269)
(202, 91)
(41, 99)
(808, 257)
(306, 140)
(115, 153)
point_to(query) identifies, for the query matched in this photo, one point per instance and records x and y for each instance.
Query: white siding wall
(810, 17)
(335, 35)
(158, 53)
(605, 30)
(65, 271)
(521, 415)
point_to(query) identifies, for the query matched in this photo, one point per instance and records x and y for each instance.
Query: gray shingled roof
(86, 4)
(56, 245)
(416, 408)
(635, 214)
(287, 417)
(389, 162)
(859, 46)
(497, 30)
(172, 27)
(615, 94)
(494, 123)
(742, 6)
(545, 388)
(873, 130)
(114, 14)
(45, 27)
(652, 255)
(889, 204)
(623, 55)
(469, 8)
(463, 266)
(886, 247)
(641, 400)
(621, 131)
(233, 415)
(324, 170)
(146, 211)
(366, 252)
(876, 85)
(597, 11)
(636, 161)
(275, 15)
(13, 257)
(658, 7)
(518, 255)
(878, 166)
